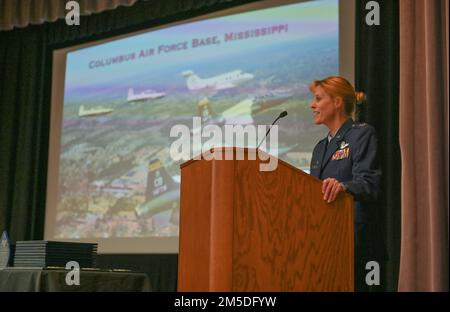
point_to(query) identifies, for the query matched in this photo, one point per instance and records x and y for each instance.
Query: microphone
(282, 115)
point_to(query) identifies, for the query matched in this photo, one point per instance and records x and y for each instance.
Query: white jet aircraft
(96, 111)
(220, 82)
(144, 96)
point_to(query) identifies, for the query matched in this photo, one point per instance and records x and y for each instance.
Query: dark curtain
(21, 13)
(24, 124)
(377, 74)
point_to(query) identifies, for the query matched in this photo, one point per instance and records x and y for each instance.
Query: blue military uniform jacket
(351, 158)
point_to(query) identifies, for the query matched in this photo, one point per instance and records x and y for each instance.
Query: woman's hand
(331, 188)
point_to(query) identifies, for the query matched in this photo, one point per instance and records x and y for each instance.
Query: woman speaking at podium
(346, 161)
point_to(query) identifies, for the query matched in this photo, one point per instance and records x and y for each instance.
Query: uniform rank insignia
(343, 145)
(342, 152)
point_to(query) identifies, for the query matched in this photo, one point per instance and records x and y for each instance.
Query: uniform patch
(341, 154)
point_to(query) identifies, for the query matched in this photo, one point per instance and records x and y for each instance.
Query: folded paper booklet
(54, 254)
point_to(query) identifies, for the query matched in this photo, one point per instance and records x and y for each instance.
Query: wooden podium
(242, 229)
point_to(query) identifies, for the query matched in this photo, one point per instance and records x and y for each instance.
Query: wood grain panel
(286, 238)
(195, 223)
(221, 232)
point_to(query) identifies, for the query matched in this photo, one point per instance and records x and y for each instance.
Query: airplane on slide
(162, 192)
(96, 111)
(220, 82)
(144, 96)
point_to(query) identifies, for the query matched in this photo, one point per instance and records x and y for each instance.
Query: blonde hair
(336, 86)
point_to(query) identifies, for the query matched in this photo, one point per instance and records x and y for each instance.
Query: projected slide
(121, 98)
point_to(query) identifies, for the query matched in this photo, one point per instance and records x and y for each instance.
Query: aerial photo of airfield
(116, 177)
